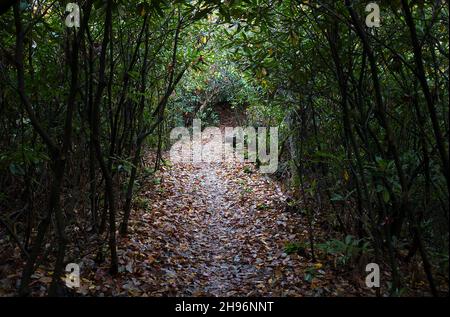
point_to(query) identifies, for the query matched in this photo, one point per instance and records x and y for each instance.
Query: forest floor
(217, 229)
(209, 229)
(220, 229)
(204, 229)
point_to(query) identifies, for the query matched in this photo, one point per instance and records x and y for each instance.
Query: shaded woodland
(85, 120)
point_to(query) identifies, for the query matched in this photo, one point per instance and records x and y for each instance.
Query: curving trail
(214, 229)
(218, 229)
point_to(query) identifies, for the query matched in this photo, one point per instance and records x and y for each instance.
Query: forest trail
(216, 229)
(211, 229)
(219, 229)
(356, 110)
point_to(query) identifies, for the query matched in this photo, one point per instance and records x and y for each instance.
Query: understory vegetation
(363, 117)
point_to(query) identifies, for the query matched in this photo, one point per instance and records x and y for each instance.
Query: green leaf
(386, 196)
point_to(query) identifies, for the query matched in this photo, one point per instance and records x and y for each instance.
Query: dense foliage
(363, 115)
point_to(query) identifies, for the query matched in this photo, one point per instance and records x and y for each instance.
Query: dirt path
(227, 234)
(209, 230)
(214, 229)
(219, 230)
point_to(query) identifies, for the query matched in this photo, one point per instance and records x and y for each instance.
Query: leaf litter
(205, 233)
